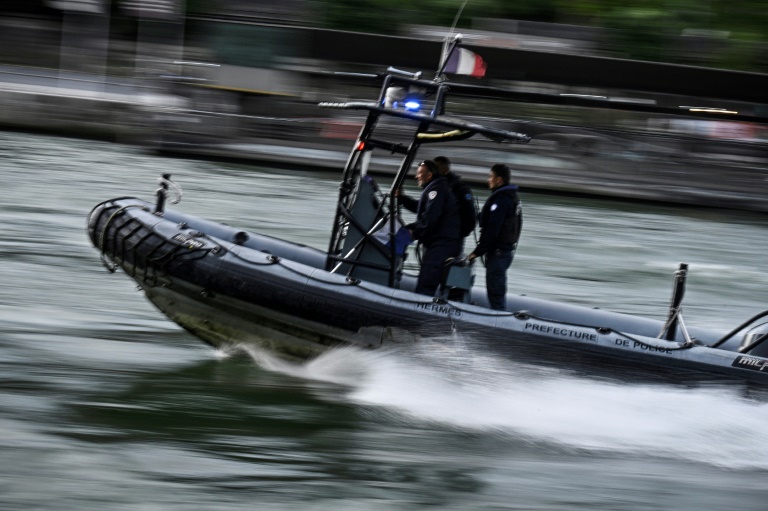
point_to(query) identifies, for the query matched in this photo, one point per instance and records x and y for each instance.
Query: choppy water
(106, 405)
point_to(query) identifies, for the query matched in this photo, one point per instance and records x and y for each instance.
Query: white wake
(443, 383)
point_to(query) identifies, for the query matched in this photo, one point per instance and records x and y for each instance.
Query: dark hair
(503, 172)
(443, 164)
(431, 167)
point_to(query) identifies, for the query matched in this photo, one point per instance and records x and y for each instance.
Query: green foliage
(640, 33)
(742, 54)
(532, 10)
(366, 15)
(388, 16)
(639, 29)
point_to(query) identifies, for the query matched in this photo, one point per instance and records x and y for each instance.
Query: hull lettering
(561, 332)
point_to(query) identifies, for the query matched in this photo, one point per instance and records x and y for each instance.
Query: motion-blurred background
(667, 94)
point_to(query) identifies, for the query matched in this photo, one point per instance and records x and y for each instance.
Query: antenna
(458, 15)
(451, 40)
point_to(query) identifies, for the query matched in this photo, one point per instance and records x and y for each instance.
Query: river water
(104, 404)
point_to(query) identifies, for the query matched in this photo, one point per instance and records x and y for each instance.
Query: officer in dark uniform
(501, 221)
(465, 200)
(436, 225)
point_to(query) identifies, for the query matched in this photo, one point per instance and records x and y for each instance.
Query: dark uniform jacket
(437, 215)
(465, 201)
(501, 221)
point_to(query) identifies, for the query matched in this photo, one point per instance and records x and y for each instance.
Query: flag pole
(454, 41)
(449, 46)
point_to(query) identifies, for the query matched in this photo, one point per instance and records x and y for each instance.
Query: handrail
(739, 328)
(492, 133)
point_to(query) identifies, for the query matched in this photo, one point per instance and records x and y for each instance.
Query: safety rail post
(673, 316)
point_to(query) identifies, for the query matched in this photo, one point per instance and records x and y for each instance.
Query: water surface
(104, 404)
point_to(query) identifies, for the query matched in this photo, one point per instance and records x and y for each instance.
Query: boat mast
(353, 247)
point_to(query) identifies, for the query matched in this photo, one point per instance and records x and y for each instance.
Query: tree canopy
(718, 33)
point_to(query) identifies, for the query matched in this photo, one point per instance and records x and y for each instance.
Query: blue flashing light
(412, 105)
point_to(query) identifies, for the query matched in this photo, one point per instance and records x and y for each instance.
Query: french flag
(465, 62)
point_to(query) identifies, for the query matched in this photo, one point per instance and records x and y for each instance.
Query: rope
(272, 259)
(442, 136)
(113, 266)
(670, 319)
(176, 188)
(519, 314)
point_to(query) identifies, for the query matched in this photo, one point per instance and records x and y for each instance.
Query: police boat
(232, 288)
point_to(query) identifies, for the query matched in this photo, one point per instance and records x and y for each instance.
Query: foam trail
(712, 426)
(344, 366)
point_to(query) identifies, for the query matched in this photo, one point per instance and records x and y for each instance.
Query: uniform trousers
(432, 264)
(497, 262)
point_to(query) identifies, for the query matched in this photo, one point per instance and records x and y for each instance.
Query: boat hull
(231, 288)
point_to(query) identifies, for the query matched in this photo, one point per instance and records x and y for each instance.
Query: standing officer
(465, 200)
(436, 225)
(501, 221)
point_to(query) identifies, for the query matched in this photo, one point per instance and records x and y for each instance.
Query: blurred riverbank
(726, 172)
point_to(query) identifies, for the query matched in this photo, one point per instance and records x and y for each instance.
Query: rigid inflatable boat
(231, 287)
